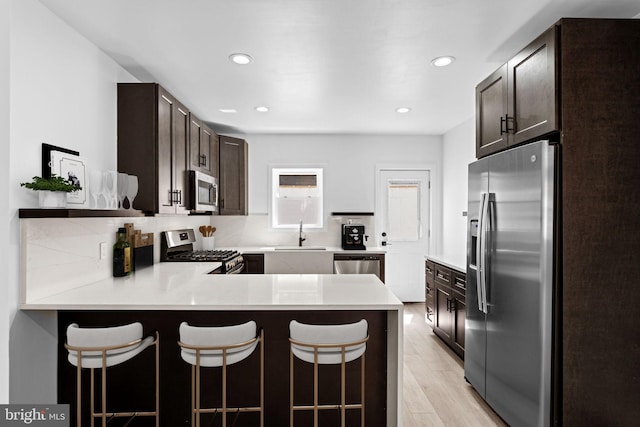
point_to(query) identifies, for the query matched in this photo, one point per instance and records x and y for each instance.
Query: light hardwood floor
(435, 392)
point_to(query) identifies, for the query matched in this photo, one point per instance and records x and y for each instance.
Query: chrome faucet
(300, 238)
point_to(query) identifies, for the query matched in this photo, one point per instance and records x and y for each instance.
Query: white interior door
(403, 214)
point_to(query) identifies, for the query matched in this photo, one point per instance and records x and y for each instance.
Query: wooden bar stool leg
(290, 387)
(261, 378)
(224, 388)
(362, 394)
(157, 380)
(92, 397)
(79, 394)
(342, 388)
(193, 395)
(104, 389)
(315, 388)
(198, 388)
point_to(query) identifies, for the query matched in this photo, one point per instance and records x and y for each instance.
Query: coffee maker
(353, 237)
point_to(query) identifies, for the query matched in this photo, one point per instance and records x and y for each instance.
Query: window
(296, 196)
(404, 210)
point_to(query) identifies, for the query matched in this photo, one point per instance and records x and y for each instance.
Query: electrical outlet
(103, 250)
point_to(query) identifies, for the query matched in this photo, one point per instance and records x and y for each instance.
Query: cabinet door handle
(504, 124)
(175, 196)
(511, 120)
(203, 160)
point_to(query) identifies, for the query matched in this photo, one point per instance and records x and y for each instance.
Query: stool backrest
(116, 336)
(238, 340)
(305, 336)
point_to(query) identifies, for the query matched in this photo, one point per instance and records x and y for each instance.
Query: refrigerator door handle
(481, 248)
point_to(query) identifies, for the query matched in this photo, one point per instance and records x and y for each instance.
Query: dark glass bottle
(121, 255)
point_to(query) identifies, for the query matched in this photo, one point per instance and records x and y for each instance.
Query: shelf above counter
(78, 213)
(352, 214)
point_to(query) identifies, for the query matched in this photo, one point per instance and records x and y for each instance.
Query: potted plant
(52, 192)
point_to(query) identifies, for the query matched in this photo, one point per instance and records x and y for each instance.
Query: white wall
(6, 296)
(349, 163)
(63, 92)
(457, 152)
(349, 160)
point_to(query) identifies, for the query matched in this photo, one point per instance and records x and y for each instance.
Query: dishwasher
(358, 264)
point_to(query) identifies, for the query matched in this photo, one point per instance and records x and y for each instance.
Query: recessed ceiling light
(262, 108)
(240, 58)
(403, 110)
(228, 110)
(443, 61)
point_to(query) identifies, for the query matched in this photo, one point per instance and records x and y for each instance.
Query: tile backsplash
(57, 254)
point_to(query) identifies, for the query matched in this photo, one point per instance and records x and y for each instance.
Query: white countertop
(455, 262)
(310, 248)
(187, 286)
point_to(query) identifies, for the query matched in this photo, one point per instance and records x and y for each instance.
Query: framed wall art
(69, 165)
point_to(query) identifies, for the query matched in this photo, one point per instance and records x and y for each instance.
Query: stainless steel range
(177, 246)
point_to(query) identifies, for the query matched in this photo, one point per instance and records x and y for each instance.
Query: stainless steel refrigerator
(510, 281)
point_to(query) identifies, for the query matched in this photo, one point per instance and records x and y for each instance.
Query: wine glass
(95, 187)
(132, 189)
(123, 180)
(111, 189)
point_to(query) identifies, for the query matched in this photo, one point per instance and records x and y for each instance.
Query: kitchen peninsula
(166, 294)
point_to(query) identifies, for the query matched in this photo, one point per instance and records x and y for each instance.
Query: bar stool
(220, 346)
(328, 345)
(100, 348)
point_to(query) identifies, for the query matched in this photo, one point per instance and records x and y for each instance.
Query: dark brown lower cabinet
(429, 290)
(449, 304)
(253, 263)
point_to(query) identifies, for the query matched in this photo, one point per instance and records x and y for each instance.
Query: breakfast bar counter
(188, 286)
(166, 294)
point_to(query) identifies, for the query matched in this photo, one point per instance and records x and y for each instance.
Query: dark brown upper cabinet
(233, 176)
(153, 136)
(491, 111)
(203, 147)
(518, 101)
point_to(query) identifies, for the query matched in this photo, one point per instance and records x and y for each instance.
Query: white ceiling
(322, 66)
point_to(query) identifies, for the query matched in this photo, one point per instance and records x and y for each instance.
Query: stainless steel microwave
(203, 192)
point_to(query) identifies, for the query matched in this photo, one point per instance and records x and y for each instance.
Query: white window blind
(297, 196)
(404, 210)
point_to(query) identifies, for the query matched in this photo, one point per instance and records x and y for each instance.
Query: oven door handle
(237, 270)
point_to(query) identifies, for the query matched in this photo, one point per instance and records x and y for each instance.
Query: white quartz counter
(309, 248)
(187, 286)
(455, 262)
